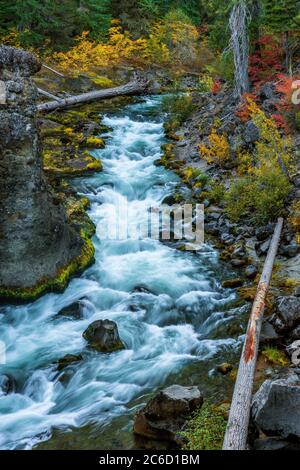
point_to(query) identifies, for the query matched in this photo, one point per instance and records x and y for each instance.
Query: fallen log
(49, 95)
(53, 70)
(238, 422)
(136, 87)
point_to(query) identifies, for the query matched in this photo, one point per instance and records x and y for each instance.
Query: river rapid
(172, 313)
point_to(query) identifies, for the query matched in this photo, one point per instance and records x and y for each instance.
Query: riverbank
(215, 119)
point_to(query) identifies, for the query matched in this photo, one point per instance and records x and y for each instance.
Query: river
(171, 311)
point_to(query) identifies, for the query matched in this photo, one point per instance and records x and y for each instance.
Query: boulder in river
(166, 414)
(7, 384)
(103, 336)
(73, 310)
(67, 360)
(276, 407)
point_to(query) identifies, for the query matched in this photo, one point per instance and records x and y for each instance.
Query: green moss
(59, 282)
(94, 142)
(206, 429)
(274, 356)
(103, 82)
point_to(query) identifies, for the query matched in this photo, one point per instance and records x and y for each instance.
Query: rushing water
(167, 331)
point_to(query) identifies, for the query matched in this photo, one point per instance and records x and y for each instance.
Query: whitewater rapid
(165, 328)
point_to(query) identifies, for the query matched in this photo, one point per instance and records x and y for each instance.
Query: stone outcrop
(103, 336)
(39, 250)
(166, 414)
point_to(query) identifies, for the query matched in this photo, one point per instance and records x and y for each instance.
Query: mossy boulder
(103, 336)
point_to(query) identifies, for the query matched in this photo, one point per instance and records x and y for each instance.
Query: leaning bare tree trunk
(136, 87)
(238, 422)
(239, 44)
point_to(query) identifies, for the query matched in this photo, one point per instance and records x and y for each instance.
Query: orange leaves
(245, 108)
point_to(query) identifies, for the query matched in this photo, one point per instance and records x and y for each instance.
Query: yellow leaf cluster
(218, 150)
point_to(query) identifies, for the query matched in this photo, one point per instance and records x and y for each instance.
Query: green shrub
(260, 197)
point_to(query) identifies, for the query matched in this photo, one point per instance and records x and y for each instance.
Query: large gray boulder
(276, 407)
(103, 336)
(166, 414)
(286, 315)
(36, 241)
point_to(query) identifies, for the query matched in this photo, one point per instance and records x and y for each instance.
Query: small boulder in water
(166, 414)
(103, 336)
(232, 283)
(67, 360)
(73, 310)
(7, 384)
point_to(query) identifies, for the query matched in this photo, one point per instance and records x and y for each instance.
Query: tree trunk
(136, 87)
(288, 54)
(239, 44)
(238, 422)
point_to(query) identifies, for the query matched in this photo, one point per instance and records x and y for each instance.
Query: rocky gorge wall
(39, 249)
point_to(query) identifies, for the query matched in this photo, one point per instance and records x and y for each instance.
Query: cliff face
(38, 248)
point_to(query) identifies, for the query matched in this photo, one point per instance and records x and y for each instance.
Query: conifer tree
(280, 16)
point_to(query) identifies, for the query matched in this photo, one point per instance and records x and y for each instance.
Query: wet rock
(103, 336)
(276, 407)
(7, 384)
(169, 200)
(165, 415)
(286, 316)
(289, 250)
(232, 283)
(224, 368)
(262, 233)
(238, 262)
(73, 310)
(67, 360)
(212, 228)
(227, 238)
(264, 247)
(142, 290)
(251, 271)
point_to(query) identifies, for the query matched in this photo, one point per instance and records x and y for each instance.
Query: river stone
(232, 283)
(262, 233)
(67, 360)
(103, 336)
(165, 415)
(7, 384)
(251, 271)
(286, 316)
(276, 407)
(73, 310)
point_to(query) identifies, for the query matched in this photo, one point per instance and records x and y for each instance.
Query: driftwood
(238, 422)
(49, 95)
(136, 87)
